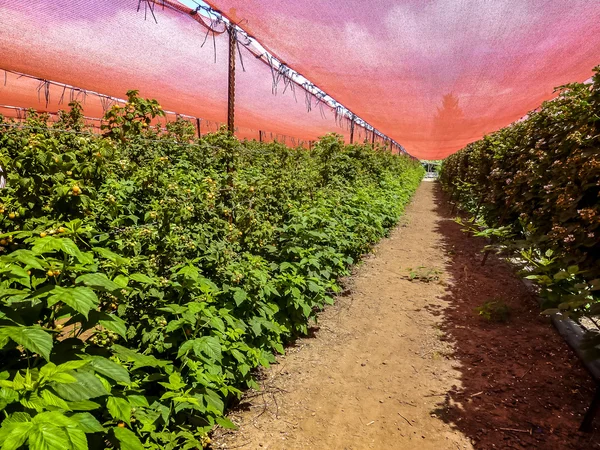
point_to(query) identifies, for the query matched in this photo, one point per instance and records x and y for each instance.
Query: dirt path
(401, 364)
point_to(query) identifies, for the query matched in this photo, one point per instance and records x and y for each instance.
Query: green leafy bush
(495, 310)
(146, 274)
(537, 184)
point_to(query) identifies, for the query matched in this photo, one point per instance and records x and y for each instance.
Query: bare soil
(401, 364)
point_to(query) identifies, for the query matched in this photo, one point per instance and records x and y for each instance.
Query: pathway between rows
(400, 364)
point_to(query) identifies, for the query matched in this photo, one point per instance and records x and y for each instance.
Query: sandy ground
(401, 364)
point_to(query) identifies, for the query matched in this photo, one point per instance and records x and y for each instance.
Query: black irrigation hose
(573, 334)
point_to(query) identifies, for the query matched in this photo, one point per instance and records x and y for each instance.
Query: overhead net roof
(52, 52)
(432, 75)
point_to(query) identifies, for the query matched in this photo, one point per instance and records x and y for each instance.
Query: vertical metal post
(352, 129)
(260, 136)
(231, 80)
(373, 137)
(391, 148)
(198, 127)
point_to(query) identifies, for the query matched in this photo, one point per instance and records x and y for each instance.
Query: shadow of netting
(522, 387)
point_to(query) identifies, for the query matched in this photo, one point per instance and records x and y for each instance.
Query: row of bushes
(145, 274)
(535, 188)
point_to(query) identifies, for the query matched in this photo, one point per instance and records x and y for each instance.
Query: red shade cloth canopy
(432, 74)
(110, 47)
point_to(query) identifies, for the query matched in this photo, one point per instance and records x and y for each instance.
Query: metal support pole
(373, 137)
(198, 127)
(352, 129)
(231, 81)
(260, 136)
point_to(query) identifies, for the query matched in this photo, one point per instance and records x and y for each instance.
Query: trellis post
(352, 129)
(231, 80)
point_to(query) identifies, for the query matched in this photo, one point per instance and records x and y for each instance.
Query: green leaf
(141, 278)
(7, 396)
(76, 438)
(87, 422)
(52, 372)
(137, 400)
(184, 348)
(214, 402)
(138, 359)
(84, 405)
(313, 287)
(239, 296)
(98, 281)
(60, 377)
(218, 324)
(46, 436)
(34, 339)
(109, 369)
(127, 439)
(47, 244)
(71, 365)
(119, 408)
(111, 322)
(122, 281)
(561, 276)
(51, 399)
(111, 256)
(190, 272)
(81, 299)
(226, 423)
(207, 286)
(28, 258)
(87, 386)
(279, 347)
(209, 345)
(18, 274)
(32, 401)
(70, 248)
(244, 369)
(15, 431)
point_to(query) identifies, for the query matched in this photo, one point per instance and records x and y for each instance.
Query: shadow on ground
(522, 387)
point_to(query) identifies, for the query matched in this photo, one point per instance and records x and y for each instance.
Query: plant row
(534, 189)
(146, 274)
